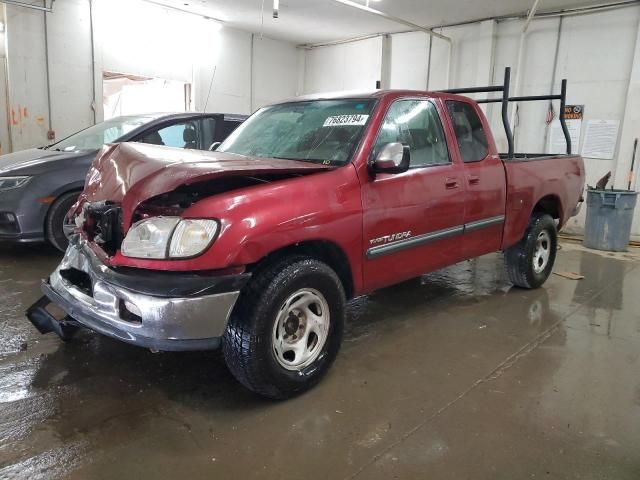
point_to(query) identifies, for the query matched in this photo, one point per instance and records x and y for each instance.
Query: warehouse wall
(596, 55)
(350, 66)
(28, 111)
(599, 54)
(137, 38)
(275, 70)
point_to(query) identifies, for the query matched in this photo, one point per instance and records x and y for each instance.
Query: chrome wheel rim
(542, 252)
(301, 328)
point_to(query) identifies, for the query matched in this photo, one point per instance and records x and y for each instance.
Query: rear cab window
(469, 132)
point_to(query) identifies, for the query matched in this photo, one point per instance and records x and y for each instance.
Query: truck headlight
(168, 237)
(192, 237)
(9, 183)
(149, 238)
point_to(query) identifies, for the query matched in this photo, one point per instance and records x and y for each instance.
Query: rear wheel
(286, 329)
(530, 261)
(57, 225)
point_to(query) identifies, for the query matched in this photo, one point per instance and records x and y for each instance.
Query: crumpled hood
(31, 160)
(130, 173)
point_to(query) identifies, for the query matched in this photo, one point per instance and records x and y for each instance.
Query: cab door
(483, 176)
(413, 221)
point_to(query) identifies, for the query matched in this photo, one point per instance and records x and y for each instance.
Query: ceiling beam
(402, 21)
(169, 6)
(30, 5)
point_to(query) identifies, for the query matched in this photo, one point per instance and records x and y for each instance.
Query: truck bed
(555, 179)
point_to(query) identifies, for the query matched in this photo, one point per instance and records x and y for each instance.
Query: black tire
(55, 220)
(521, 257)
(248, 344)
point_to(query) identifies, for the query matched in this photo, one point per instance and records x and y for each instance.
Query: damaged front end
(131, 213)
(156, 310)
(101, 223)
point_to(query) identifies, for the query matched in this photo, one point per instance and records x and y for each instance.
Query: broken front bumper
(157, 310)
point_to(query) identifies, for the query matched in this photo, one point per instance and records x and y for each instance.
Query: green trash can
(609, 218)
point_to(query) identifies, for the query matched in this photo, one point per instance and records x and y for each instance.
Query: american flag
(551, 114)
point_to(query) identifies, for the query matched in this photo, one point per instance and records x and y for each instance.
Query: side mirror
(392, 158)
(213, 146)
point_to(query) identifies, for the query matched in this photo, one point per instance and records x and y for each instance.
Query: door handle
(451, 183)
(474, 180)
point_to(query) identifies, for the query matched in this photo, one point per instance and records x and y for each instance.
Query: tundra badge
(390, 238)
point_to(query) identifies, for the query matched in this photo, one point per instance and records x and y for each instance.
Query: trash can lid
(611, 190)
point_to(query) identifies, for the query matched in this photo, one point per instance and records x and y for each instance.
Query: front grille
(103, 225)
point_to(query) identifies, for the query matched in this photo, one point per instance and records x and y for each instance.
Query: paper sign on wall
(342, 120)
(573, 115)
(600, 139)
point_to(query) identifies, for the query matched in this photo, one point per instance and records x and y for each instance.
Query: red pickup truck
(257, 246)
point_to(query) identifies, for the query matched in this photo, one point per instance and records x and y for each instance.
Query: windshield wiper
(286, 158)
(306, 160)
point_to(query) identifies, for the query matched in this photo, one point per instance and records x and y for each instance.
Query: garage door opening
(125, 94)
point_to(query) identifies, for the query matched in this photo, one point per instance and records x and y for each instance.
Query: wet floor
(455, 375)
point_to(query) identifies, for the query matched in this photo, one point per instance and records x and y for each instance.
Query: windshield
(94, 137)
(325, 131)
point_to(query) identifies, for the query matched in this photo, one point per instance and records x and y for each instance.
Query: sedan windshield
(325, 131)
(94, 137)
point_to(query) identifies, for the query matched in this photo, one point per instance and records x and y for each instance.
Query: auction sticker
(340, 120)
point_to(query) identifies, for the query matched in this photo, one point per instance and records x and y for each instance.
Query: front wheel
(530, 261)
(58, 225)
(286, 329)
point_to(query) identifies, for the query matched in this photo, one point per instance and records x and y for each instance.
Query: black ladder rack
(504, 88)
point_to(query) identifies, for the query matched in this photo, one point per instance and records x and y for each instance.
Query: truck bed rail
(505, 99)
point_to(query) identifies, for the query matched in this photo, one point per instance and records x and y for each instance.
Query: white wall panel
(70, 69)
(275, 68)
(349, 66)
(409, 60)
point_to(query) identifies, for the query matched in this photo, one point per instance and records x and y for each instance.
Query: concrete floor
(453, 376)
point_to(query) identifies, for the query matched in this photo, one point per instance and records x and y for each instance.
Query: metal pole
(93, 63)
(46, 63)
(633, 161)
(553, 78)
(519, 62)
(448, 70)
(251, 82)
(531, 14)
(8, 100)
(505, 111)
(429, 62)
(563, 123)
